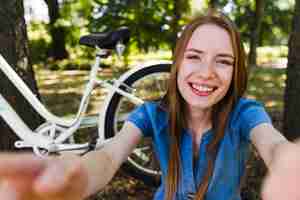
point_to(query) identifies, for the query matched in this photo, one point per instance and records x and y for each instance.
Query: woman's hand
(27, 177)
(283, 179)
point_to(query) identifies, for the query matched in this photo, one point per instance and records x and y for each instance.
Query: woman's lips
(201, 89)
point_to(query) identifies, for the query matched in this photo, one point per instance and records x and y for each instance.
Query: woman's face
(206, 70)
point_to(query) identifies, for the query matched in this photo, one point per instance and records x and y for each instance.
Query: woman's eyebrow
(226, 55)
(218, 55)
(194, 50)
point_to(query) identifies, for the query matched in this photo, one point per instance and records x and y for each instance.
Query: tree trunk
(180, 6)
(213, 3)
(255, 32)
(58, 33)
(291, 123)
(14, 48)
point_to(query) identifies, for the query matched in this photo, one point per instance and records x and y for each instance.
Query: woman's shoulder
(249, 112)
(243, 104)
(154, 109)
(247, 108)
(151, 105)
(148, 117)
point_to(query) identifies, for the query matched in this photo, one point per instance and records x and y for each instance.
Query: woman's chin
(200, 106)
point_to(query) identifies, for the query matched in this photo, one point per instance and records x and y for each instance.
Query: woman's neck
(199, 120)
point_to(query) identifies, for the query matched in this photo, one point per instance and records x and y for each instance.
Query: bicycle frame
(32, 139)
(18, 125)
(29, 96)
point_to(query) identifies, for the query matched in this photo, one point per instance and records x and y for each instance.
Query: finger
(283, 179)
(60, 177)
(7, 192)
(52, 180)
(20, 165)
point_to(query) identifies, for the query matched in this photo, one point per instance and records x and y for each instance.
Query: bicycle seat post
(120, 47)
(97, 65)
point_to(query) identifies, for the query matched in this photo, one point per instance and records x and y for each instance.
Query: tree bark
(58, 33)
(213, 3)
(291, 123)
(180, 6)
(175, 24)
(14, 48)
(255, 32)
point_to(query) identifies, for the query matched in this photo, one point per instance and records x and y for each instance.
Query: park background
(40, 39)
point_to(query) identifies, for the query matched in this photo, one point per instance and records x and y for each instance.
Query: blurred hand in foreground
(27, 177)
(283, 180)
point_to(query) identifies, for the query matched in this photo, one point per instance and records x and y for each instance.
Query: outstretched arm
(283, 160)
(68, 177)
(101, 165)
(268, 141)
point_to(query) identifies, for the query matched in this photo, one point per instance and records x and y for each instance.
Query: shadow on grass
(66, 104)
(267, 85)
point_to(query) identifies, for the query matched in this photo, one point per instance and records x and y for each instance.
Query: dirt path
(124, 187)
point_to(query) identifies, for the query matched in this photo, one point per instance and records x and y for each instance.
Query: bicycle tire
(132, 167)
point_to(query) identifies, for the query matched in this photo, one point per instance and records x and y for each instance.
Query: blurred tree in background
(155, 23)
(14, 48)
(57, 31)
(255, 31)
(292, 90)
(262, 23)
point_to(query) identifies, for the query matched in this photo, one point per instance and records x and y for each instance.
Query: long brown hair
(175, 104)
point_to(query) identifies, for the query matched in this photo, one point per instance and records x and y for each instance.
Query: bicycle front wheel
(148, 84)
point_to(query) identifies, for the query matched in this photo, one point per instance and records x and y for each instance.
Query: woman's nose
(207, 69)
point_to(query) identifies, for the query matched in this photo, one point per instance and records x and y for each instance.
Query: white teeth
(202, 88)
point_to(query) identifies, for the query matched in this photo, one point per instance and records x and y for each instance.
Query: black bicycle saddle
(106, 40)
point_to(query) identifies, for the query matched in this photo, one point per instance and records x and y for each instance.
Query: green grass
(267, 85)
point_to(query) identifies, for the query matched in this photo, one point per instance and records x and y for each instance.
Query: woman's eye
(192, 57)
(225, 62)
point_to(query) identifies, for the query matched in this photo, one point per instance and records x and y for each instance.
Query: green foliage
(218, 4)
(75, 16)
(276, 23)
(150, 21)
(39, 41)
(277, 19)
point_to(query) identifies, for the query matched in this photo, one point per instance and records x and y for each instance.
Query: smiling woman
(201, 132)
(206, 70)
(211, 77)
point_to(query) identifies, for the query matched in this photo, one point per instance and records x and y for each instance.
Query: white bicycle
(143, 83)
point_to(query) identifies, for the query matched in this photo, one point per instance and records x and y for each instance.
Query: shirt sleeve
(140, 118)
(252, 114)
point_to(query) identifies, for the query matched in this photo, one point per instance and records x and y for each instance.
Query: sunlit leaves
(150, 21)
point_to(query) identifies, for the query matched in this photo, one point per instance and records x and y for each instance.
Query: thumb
(62, 178)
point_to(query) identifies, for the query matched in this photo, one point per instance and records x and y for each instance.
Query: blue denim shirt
(231, 157)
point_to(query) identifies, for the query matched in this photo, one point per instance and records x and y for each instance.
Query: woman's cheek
(226, 75)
